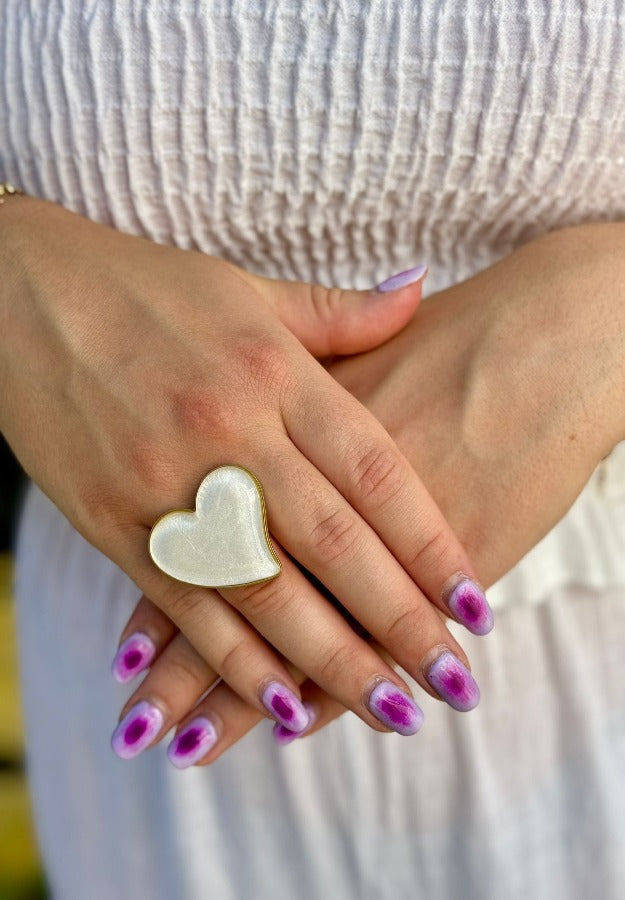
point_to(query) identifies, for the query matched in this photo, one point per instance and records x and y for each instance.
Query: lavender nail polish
(133, 656)
(137, 729)
(395, 709)
(469, 605)
(192, 743)
(284, 735)
(453, 682)
(402, 279)
(284, 706)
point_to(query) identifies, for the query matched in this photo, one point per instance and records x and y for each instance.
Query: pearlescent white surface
(223, 542)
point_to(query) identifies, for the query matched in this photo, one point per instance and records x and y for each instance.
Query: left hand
(504, 392)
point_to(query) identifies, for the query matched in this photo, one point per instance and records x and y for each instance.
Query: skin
(505, 392)
(134, 368)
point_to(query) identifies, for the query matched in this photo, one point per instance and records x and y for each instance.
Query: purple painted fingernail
(395, 709)
(469, 605)
(284, 735)
(137, 729)
(133, 656)
(285, 707)
(402, 279)
(192, 743)
(453, 682)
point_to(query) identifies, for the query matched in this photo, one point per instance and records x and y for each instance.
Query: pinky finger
(213, 726)
(147, 633)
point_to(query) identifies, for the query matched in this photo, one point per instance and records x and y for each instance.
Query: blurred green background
(20, 869)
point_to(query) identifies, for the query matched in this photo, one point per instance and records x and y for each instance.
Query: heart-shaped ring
(224, 541)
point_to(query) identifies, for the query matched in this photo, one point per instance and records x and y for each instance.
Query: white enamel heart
(223, 542)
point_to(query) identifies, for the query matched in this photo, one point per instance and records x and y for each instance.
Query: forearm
(11, 212)
(591, 261)
(14, 210)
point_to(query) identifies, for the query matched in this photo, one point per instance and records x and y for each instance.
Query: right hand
(134, 368)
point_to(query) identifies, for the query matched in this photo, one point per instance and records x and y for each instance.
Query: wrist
(19, 216)
(20, 210)
(10, 201)
(17, 243)
(596, 284)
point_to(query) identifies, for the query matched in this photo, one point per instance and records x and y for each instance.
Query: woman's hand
(505, 391)
(134, 368)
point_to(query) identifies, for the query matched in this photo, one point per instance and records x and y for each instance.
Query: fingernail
(469, 605)
(395, 709)
(284, 735)
(137, 729)
(284, 706)
(453, 682)
(133, 656)
(402, 279)
(192, 743)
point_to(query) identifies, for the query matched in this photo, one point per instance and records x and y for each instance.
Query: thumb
(335, 322)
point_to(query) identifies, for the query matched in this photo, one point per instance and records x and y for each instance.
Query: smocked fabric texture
(331, 141)
(340, 142)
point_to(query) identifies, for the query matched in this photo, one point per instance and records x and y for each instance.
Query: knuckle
(235, 660)
(258, 601)
(335, 536)
(406, 627)
(184, 673)
(150, 466)
(200, 411)
(262, 365)
(183, 605)
(325, 301)
(337, 662)
(379, 475)
(430, 555)
(98, 510)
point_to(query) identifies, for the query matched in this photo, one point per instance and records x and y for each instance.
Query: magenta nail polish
(402, 279)
(192, 743)
(137, 729)
(395, 708)
(470, 607)
(284, 706)
(133, 656)
(284, 735)
(453, 682)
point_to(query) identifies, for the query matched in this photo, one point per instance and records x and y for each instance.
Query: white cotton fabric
(336, 141)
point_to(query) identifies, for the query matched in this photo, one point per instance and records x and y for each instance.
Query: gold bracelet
(6, 189)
